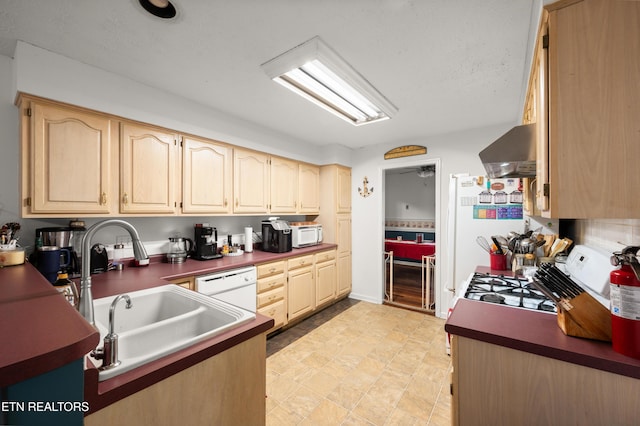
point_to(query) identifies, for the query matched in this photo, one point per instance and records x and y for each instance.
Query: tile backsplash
(609, 234)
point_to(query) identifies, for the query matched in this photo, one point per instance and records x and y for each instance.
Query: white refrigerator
(478, 206)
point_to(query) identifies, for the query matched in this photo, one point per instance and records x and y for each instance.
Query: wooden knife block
(587, 318)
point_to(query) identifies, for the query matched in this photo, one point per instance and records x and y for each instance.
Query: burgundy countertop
(39, 330)
(159, 272)
(537, 333)
(101, 394)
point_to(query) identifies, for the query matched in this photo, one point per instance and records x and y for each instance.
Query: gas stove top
(508, 291)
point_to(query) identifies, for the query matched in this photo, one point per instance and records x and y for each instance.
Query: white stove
(589, 267)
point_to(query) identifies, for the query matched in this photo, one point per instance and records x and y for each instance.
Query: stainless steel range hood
(513, 154)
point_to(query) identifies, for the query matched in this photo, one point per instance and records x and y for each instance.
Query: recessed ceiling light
(160, 8)
(316, 72)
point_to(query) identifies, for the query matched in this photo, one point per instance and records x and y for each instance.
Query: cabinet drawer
(270, 296)
(268, 269)
(269, 283)
(299, 262)
(276, 311)
(325, 256)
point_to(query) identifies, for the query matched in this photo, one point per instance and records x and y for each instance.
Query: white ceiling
(448, 65)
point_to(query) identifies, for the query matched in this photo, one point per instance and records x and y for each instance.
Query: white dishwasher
(236, 286)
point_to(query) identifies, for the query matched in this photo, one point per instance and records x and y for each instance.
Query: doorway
(410, 223)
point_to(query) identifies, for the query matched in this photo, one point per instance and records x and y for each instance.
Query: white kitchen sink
(162, 320)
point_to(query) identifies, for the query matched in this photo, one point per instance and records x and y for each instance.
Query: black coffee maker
(276, 235)
(205, 242)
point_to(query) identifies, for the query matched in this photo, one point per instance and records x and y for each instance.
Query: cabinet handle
(236, 202)
(225, 202)
(273, 268)
(103, 199)
(125, 199)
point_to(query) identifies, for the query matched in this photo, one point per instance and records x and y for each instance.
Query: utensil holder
(498, 262)
(583, 316)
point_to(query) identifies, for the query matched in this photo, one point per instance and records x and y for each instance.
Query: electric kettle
(179, 248)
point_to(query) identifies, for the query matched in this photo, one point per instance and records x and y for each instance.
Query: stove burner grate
(510, 291)
(492, 298)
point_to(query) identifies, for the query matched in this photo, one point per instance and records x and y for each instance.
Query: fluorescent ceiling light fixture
(317, 73)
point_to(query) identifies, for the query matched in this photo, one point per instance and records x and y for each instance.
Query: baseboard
(365, 298)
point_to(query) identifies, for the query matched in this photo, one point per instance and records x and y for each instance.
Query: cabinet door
(147, 170)
(308, 189)
(326, 278)
(344, 274)
(594, 105)
(70, 161)
(301, 292)
(206, 176)
(250, 182)
(344, 190)
(284, 185)
(343, 234)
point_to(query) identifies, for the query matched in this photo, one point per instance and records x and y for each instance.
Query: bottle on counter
(118, 254)
(67, 288)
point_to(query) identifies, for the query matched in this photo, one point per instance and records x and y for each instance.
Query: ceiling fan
(423, 171)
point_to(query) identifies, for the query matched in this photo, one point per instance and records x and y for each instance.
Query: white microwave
(305, 234)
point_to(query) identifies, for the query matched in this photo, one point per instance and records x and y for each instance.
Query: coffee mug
(50, 260)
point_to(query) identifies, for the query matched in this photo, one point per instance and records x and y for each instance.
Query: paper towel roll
(248, 239)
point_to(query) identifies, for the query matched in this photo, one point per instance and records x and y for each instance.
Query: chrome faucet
(109, 352)
(139, 252)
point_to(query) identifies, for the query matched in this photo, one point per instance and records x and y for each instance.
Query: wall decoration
(365, 191)
(405, 151)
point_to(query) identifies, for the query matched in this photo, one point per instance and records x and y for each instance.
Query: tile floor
(357, 363)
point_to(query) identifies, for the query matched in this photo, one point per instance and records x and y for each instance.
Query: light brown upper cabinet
(308, 189)
(148, 169)
(77, 162)
(587, 92)
(250, 181)
(284, 185)
(66, 160)
(206, 176)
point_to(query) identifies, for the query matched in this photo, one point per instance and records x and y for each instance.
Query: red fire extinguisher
(625, 302)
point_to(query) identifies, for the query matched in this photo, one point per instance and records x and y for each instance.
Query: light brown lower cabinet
(271, 289)
(495, 385)
(226, 389)
(326, 277)
(301, 295)
(187, 282)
